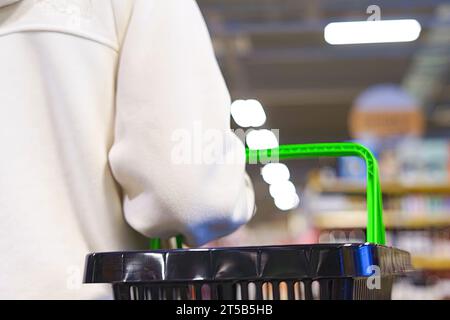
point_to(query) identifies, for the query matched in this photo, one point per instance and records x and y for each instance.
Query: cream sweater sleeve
(173, 143)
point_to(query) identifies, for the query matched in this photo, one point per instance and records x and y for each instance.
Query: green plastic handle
(375, 227)
(155, 243)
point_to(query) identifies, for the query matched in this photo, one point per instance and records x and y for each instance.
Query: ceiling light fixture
(262, 140)
(380, 31)
(248, 113)
(275, 172)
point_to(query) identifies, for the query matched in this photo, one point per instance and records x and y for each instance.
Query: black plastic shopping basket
(295, 272)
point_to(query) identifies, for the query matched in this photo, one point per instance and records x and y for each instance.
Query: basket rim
(247, 263)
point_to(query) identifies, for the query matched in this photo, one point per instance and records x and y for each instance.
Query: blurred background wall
(274, 51)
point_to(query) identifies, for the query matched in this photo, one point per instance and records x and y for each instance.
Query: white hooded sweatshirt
(94, 96)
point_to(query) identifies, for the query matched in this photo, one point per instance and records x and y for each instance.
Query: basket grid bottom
(305, 289)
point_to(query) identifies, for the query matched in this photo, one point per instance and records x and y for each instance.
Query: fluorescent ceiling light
(281, 188)
(275, 172)
(287, 202)
(261, 140)
(381, 31)
(248, 113)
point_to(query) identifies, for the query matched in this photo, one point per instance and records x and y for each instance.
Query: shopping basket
(294, 272)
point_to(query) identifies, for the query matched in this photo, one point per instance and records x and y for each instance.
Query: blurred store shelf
(431, 263)
(392, 219)
(354, 220)
(391, 188)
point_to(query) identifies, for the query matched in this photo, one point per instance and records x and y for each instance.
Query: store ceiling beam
(302, 97)
(292, 55)
(232, 28)
(251, 7)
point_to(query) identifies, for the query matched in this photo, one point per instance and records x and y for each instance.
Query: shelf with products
(392, 220)
(417, 217)
(391, 188)
(429, 245)
(337, 203)
(431, 263)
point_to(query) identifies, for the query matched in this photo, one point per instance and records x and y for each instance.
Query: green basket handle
(375, 227)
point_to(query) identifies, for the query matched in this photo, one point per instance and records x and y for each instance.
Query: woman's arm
(181, 168)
